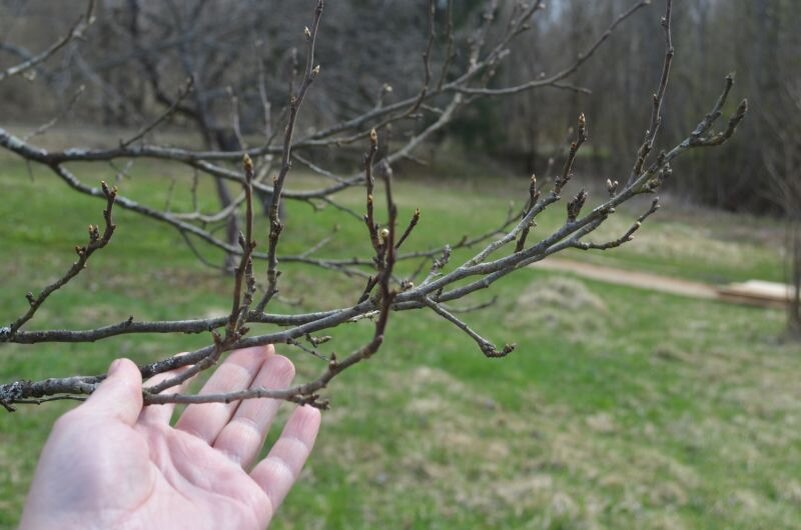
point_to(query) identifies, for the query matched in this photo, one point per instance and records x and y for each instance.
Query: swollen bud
(247, 164)
(575, 205)
(533, 192)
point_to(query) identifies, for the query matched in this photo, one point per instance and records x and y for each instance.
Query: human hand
(111, 463)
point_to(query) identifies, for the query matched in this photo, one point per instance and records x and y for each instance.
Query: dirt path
(642, 280)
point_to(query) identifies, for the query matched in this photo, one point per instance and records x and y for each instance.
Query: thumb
(120, 393)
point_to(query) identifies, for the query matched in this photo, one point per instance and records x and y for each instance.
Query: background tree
(781, 154)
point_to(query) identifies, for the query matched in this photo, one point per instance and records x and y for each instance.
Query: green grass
(620, 408)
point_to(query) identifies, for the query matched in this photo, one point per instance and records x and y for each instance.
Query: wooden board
(757, 292)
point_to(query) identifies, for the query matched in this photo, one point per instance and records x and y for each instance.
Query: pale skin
(110, 463)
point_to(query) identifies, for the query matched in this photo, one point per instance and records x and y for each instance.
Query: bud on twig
(611, 186)
(533, 193)
(582, 127)
(383, 234)
(575, 205)
(247, 164)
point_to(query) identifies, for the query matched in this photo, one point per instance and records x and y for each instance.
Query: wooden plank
(757, 292)
(753, 292)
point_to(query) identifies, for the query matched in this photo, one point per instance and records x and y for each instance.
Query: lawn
(620, 409)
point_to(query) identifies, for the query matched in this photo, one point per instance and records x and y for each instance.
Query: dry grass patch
(563, 305)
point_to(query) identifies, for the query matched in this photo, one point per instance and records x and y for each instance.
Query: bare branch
(65, 111)
(412, 223)
(567, 172)
(487, 348)
(625, 238)
(96, 242)
(182, 94)
(438, 101)
(74, 33)
(296, 100)
(554, 79)
(658, 97)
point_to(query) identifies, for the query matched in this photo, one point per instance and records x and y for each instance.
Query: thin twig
(658, 97)
(295, 102)
(96, 242)
(625, 238)
(412, 223)
(182, 94)
(487, 348)
(66, 110)
(74, 33)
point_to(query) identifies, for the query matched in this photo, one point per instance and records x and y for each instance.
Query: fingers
(237, 373)
(162, 413)
(119, 395)
(276, 473)
(244, 435)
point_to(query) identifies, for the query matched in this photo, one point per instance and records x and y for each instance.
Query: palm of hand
(109, 468)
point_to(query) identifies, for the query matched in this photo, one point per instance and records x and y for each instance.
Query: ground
(621, 408)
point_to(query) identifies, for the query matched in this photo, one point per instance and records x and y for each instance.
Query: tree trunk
(794, 307)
